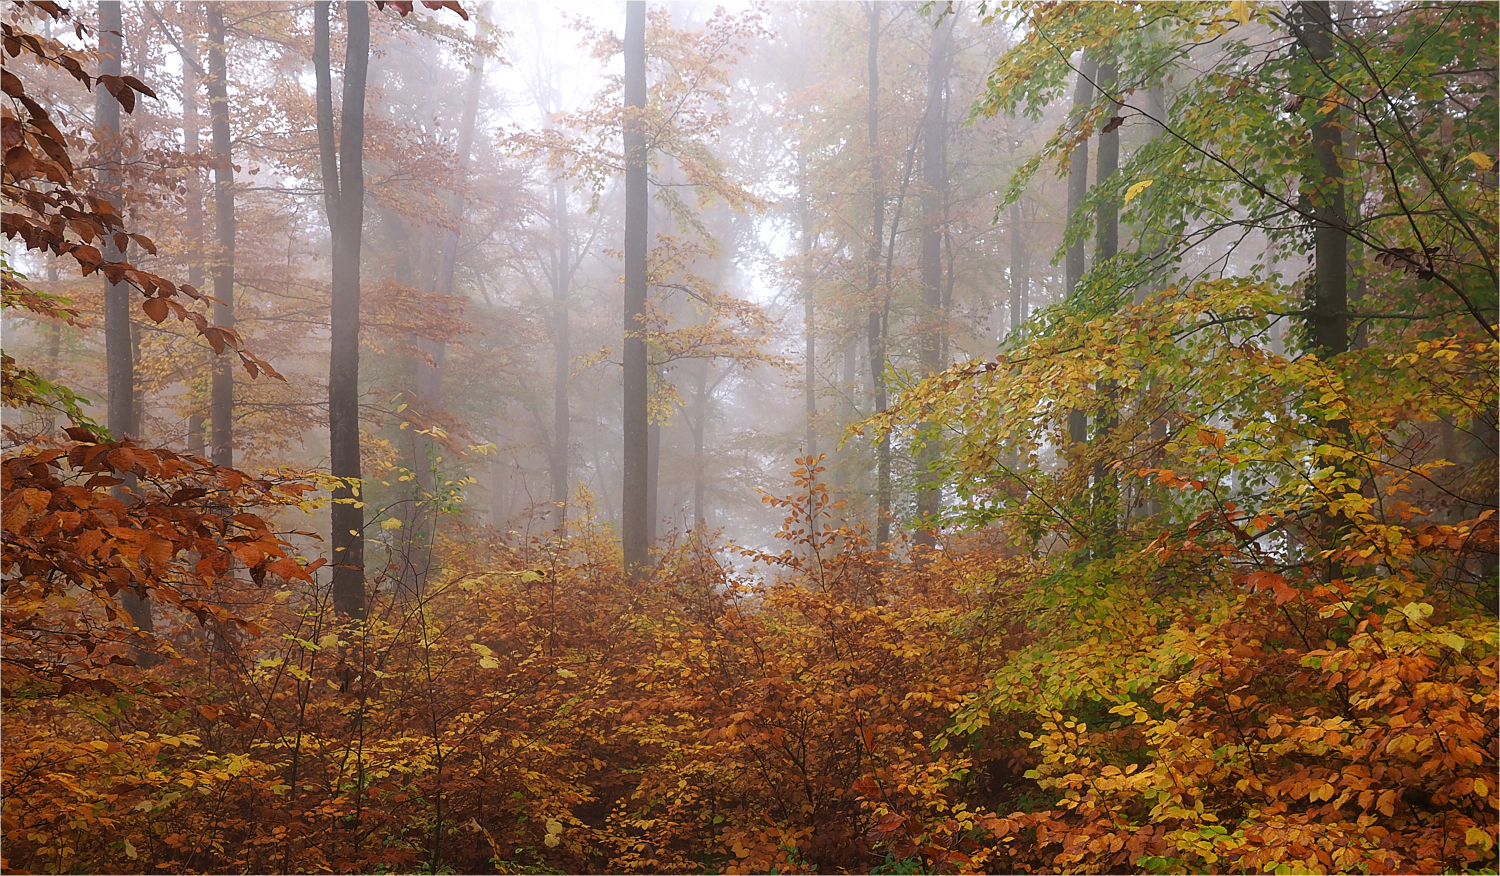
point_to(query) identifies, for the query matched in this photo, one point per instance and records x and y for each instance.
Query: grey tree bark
(635, 518)
(875, 325)
(1078, 187)
(193, 207)
(562, 274)
(1329, 320)
(119, 351)
(930, 263)
(343, 200)
(221, 398)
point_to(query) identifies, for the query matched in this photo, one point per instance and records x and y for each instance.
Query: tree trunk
(635, 518)
(653, 480)
(1078, 187)
(561, 350)
(810, 366)
(221, 402)
(930, 266)
(1020, 269)
(875, 324)
(699, 425)
(119, 350)
(1329, 321)
(193, 209)
(1106, 247)
(191, 146)
(343, 199)
(120, 363)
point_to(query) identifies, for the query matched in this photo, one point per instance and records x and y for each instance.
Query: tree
(342, 162)
(875, 332)
(221, 405)
(635, 521)
(934, 203)
(1328, 319)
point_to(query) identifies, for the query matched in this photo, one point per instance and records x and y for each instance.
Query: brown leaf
(138, 85)
(155, 308)
(121, 92)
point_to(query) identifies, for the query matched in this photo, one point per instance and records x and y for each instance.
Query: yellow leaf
(554, 826)
(390, 523)
(1481, 161)
(551, 840)
(1417, 611)
(1480, 788)
(1241, 11)
(1136, 189)
(130, 851)
(1452, 640)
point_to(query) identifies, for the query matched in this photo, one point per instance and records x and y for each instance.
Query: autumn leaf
(1136, 189)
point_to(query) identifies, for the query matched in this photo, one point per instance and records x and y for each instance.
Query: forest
(795, 437)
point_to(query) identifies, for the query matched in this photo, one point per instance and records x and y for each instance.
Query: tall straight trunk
(653, 479)
(699, 425)
(119, 361)
(221, 401)
(1106, 247)
(635, 519)
(930, 264)
(193, 209)
(343, 200)
(1078, 187)
(1020, 269)
(1323, 185)
(119, 350)
(810, 366)
(875, 324)
(562, 273)
(1329, 322)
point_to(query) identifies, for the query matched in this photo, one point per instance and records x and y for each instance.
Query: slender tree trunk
(221, 403)
(194, 206)
(561, 350)
(120, 363)
(1078, 187)
(809, 326)
(54, 343)
(1323, 187)
(1107, 240)
(653, 476)
(119, 350)
(699, 425)
(1106, 247)
(1020, 269)
(1329, 319)
(635, 517)
(930, 265)
(193, 209)
(875, 324)
(343, 197)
